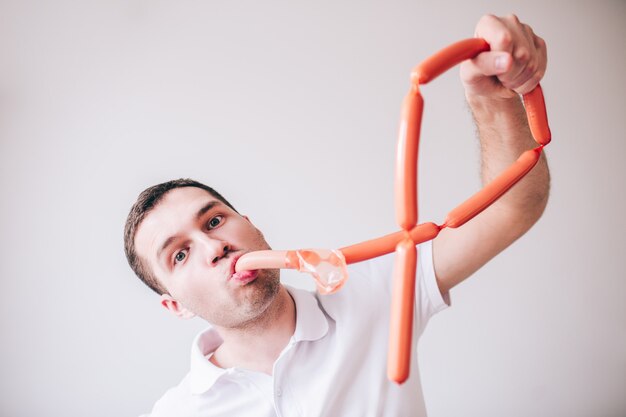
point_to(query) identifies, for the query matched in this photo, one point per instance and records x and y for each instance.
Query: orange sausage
(423, 232)
(492, 191)
(401, 325)
(406, 160)
(387, 244)
(537, 116)
(371, 248)
(433, 66)
(273, 259)
(263, 259)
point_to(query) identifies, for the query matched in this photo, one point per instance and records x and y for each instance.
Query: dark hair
(147, 201)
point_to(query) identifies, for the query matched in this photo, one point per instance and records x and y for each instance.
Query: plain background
(290, 108)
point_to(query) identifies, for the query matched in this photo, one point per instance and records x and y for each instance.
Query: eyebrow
(207, 207)
(203, 210)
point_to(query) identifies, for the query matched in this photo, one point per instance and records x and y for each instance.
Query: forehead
(176, 211)
(182, 200)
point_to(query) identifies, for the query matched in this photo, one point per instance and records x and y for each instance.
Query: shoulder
(369, 285)
(367, 290)
(176, 402)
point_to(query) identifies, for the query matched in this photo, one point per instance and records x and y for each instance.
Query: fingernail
(500, 62)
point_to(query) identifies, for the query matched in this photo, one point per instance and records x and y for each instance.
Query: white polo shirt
(334, 365)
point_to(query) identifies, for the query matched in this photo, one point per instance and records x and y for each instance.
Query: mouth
(242, 277)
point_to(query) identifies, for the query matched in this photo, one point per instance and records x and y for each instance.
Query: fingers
(535, 68)
(496, 32)
(517, 58)
(487, 64)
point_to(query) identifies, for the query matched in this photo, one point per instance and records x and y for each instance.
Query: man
(278, 351)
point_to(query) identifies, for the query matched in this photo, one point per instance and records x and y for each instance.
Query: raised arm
(493, 82)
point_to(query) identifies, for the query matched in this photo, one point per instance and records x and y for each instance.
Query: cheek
(181, 286)
(193, 285)
(205, 298)
(258, 240)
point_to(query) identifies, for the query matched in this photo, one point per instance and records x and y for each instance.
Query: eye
(180, 256)
(215, 221)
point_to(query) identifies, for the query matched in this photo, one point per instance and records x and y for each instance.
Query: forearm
(514, 65)
(504, 135)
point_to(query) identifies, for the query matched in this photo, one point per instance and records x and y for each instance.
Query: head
(182, 239)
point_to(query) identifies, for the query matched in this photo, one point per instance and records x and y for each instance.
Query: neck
(258, 343)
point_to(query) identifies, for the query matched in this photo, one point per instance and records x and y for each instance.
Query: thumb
(479, 75)
(487, 64)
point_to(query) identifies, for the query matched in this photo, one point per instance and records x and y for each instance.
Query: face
(190, 241)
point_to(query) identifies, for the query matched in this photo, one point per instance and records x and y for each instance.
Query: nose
(222, 252)
(215, 250)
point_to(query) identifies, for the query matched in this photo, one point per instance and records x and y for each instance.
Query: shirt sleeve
(370, 286)
(428, 299)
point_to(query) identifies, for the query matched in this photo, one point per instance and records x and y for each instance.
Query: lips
(245, 277)
(242, 277)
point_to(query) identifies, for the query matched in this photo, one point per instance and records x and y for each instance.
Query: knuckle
(488, 18)
(529, 31)
(522, 55)
(532, 66)
(512, 17)
(505, 39)
(541, 43)
(540, 73)
(486, 21)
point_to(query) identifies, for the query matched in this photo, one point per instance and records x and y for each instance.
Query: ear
(175, 307)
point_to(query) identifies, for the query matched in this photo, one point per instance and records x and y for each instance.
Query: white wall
(291, 110)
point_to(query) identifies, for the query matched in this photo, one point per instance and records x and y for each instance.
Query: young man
(278, 351)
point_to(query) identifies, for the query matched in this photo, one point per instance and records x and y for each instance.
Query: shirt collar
(202, 373)
(311, 321)
(311, 324)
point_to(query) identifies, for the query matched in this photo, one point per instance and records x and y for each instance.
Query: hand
(514, 65)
